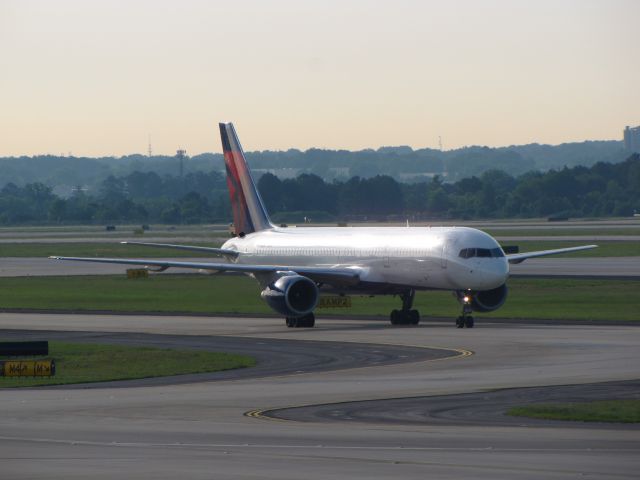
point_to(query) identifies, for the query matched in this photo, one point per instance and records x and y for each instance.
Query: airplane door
(443, 255)
(448, 246)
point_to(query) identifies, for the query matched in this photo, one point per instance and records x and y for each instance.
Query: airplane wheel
(468, 322)
(414, 317)
(308, 321)
(292, 322)
(460, 322)
(395, 317)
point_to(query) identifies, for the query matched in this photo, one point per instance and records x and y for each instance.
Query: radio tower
(180, 154)
(149, 150)
(444, 162)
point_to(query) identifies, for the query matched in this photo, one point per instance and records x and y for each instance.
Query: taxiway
(213, 428)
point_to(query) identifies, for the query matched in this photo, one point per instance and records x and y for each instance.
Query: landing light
(466, 299)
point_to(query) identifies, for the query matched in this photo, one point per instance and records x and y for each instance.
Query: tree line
(139, 197)
(403, 163)
(605, 189)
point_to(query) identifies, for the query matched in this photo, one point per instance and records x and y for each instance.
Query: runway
(201, 430)
(617, 267)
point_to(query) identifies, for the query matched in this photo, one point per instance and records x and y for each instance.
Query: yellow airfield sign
(28, 368)
(334, 302)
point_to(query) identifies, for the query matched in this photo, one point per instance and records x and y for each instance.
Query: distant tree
(194, 208)
(113, 189)
(143, 185)
(382, 195)
(57, 211)
(171, 215)
(415, 197)
(271, 191)
(38, 194)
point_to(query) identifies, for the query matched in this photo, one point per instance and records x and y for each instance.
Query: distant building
(632, 139)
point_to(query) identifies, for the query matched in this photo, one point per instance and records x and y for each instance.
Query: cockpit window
(481, 252)
(467, 252)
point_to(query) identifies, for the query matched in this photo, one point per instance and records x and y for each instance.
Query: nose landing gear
(465, 320)
(406, 316)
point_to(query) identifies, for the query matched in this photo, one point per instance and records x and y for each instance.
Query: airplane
(294, 265)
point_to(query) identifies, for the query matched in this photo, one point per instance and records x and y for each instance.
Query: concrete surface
(210, 429)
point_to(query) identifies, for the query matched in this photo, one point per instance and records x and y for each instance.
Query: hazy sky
(96, 77)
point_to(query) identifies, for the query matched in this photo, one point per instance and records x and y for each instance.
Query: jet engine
(292, 295)
(485, 301)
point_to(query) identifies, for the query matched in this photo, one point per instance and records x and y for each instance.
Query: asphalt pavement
(216, 428)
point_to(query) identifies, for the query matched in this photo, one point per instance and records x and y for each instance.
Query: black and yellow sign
(28, 368)
(334, 302)
(137, 273)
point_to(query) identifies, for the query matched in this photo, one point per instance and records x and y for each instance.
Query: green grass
(618, 411)
(120, 229)
(605, 249)
(85, 363)
(565, 299)
(107, 249)
(577, 299)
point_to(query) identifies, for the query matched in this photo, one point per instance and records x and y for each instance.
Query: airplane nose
(494, 274)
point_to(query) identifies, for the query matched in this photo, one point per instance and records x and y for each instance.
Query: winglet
(249, 212)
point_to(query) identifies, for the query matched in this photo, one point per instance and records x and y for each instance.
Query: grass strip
(553, 299)
(120, 229)
(561, 232)
(88, 363)
(605, 249)
(616, 411)
(107, 249)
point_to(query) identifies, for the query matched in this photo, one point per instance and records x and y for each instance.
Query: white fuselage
(415, 257)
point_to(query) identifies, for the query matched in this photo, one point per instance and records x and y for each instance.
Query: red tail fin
(249, 213)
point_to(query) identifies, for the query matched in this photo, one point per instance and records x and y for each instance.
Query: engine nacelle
(486, 301)
(292, 295)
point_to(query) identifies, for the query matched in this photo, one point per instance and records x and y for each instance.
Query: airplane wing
(215, 251)
(521, 257)
(333, 276)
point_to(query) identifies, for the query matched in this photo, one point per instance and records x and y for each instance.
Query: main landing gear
(406, 316)
(465, 320)
(308, 321)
